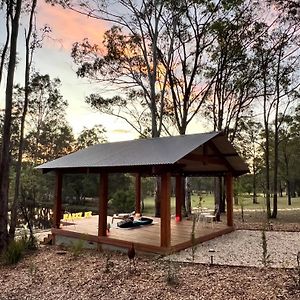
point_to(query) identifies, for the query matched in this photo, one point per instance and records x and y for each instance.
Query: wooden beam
(205, 159)
(103, 199)
(58, 199)
(143, 170)
(226, 163)
(165, 225)
(229, 198)
(180, 186)
(138, 194)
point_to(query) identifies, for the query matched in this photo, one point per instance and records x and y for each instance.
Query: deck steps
(48, 240)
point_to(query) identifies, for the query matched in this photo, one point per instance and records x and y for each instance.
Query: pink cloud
(69, 27)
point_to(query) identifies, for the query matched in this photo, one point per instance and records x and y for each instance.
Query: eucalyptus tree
(287, 153)
(233, 68)
(30, 45)
(288, 7)
(14, 17)
(49, 136)
(129, 60)
(278, 57)
(7, 6)
(153, 53)
(88, 137)
(233, 73)
(248, 144)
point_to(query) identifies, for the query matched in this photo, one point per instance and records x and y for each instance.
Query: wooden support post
(229, 199)
(103, 199)
(138, 194)
(165, 224)
(58, 200)
(180, 193)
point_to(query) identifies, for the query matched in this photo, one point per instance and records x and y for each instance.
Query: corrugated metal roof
(142, 152)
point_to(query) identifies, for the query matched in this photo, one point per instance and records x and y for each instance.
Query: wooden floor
(145, 238)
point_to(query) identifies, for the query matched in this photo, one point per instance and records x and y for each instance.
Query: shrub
(30, 243)
(14, 252)
(172, 271)
(77, 247)
(193, 239)
(265, 253)
(123, 201)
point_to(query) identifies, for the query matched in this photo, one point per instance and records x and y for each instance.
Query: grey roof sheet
(155, 151)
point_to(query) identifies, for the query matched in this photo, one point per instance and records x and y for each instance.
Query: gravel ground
(244, 248)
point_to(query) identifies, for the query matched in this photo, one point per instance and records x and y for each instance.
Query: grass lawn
(208, 202)
(288, 217)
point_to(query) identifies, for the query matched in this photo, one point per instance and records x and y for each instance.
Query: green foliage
(14, 252)
(123, 201)
(76, 187)
(49, 136)
(119, 182)
(193, 238)
(265, 254)
(172, 270)
(32, 269)
(89, 137)
(108, 263)
(18, 247)
(77, 248)
(30, 242)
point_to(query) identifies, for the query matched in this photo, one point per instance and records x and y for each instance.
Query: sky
(68, 27)
(54, 59)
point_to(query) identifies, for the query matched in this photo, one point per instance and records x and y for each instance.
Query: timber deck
(145, 238)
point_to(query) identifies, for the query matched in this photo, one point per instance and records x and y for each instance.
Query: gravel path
(244, 248)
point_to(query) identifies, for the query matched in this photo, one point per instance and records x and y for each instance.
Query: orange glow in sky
(69, 27)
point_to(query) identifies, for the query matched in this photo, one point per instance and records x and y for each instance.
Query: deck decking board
(145, 238)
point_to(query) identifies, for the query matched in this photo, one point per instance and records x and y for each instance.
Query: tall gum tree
(30, 44)
(233, 72)
(129, 59)
(278, 59)
(4, 49)
(15, 13)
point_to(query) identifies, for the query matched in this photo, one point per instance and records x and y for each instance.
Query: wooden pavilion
(206, 154)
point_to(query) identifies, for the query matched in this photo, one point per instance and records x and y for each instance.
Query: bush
(31, 243)
(14, 252)
(77, 247)
(123, 201)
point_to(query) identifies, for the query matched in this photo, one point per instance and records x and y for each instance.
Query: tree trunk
(276, 138)
(254, 186)
(280, 189)
(5, 153)
(288, 192)
(235, 192)
(288, 183)
(188, 205)
(217, 195)
(28, 59)
(267, 142)
(222, 207)
(157, 197)
(5, 47)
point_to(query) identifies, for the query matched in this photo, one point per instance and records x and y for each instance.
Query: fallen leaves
(48, 275)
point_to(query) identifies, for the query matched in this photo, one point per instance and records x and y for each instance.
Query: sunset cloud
(69, 27)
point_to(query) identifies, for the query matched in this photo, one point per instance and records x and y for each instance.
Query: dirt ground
(287, 220)
(50, 273)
